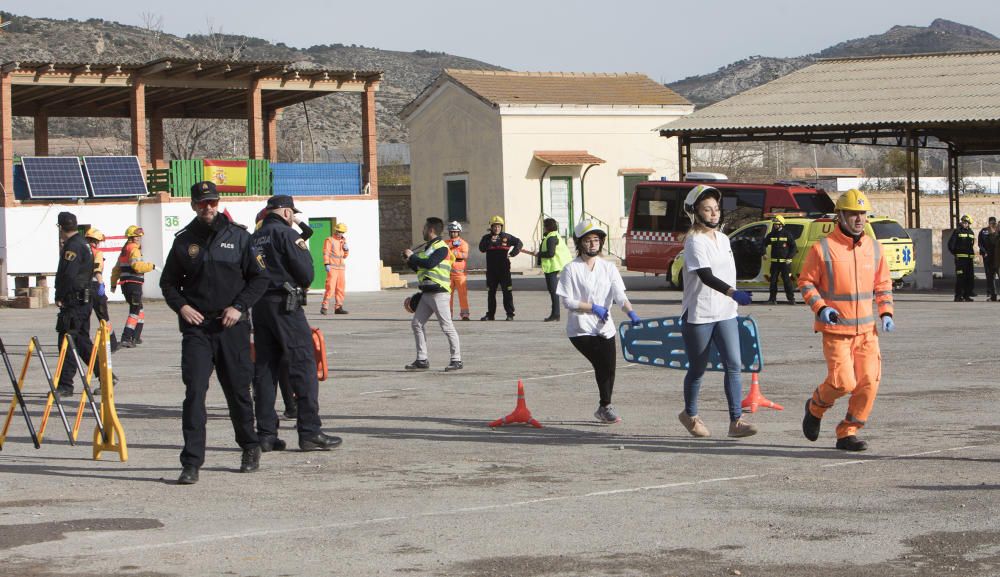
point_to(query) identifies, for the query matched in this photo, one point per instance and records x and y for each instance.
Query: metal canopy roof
(174, 87)
(567, 157)
(954, 97)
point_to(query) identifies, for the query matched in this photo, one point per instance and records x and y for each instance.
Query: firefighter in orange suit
(130, 273)
(459, 257)
(843, 275)
(335, 253)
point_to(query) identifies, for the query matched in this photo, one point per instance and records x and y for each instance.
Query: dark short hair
(550, 224)
(436, 224)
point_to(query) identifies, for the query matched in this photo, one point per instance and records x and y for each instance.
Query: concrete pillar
(41, 133)
(255, 121)
(138, 116)
(6, 141)
(271, 135)
(156, 141)
(369, 172)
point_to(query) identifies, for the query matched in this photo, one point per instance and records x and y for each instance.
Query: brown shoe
(741, 428)
(694, 424)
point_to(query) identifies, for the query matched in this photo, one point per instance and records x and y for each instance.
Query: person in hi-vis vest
(335, 253)
(459, 257)
(555, 255)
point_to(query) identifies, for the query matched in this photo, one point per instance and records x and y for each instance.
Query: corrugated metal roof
(627, 89)
(878, 91)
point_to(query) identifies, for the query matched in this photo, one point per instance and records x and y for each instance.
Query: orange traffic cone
(521, 413)
(757, 399)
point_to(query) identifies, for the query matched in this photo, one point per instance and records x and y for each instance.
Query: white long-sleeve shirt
(602, 286)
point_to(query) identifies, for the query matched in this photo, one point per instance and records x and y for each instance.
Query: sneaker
(324, 311)
(607, 414)
(771, 302)
(851, 443)
(454, 366)
(250, 461)
(550, 319)
(967, 299)
(138, 341)
(486, 318)
(418, 365)
(128, 344)
(64, 392)
(510, 317)
(810, 423)
(466, 318)
(269, 443)
(694, 424)
(741, 428)
(340, 311)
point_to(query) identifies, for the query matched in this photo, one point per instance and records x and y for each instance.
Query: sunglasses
(203, 204)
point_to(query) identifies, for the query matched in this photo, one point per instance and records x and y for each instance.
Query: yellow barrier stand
(86, 377)
(114, 436)
(53, 396)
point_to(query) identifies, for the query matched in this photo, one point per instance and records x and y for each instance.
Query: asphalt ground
(422, 486)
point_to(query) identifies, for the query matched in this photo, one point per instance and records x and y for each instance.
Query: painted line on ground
(481, 508)
(387, 391)
(542, 378)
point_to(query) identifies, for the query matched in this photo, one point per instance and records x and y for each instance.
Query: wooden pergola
(147, 93)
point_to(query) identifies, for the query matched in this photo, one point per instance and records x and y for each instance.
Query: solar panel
(54, 177)
(115, 176)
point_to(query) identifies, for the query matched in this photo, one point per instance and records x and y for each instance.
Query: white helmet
(588, 226)
(454, 226)
(696, 194)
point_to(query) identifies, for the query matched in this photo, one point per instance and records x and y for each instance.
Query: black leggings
(602, 354)
(552, 283)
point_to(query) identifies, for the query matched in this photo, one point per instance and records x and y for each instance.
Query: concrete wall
(455, 133)
(31, 240)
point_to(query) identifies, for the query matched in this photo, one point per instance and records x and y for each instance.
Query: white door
(561, 203)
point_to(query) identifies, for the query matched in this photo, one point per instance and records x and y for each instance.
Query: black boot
(851, 443)
(810, 424)
(319, 442)
(250, 461)
(189, 476)
(269, 443)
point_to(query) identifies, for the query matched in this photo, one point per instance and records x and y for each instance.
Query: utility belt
(78, 297)
(295, 297)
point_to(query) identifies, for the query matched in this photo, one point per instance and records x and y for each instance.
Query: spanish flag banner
(228, 175)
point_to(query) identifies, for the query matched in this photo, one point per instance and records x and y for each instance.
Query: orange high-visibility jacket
(848, 277)
(130, 266)
(459, 254)
(335, 251)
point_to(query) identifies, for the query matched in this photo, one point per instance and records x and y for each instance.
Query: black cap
(993, 219)
(66, 220)
(281, 201)
(204, 190)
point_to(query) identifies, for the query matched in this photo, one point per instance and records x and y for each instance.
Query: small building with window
(530, 145)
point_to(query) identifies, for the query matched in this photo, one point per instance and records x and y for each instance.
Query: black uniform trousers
(991, 276)
(227, 351)
(551, 284)
(783, 270)
(74, 320)
(603, 355)
(282, 338)
(501, 279)
(964, 277)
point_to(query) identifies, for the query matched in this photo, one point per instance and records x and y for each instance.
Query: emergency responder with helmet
(73, 296)
(782, 246)
(961, 246)
(211, 278)
(850, 269)
(499, 248)
(99, 292)
(335, 254)
(554, 256)
(459, 259)
(130, 272)
(282, 335)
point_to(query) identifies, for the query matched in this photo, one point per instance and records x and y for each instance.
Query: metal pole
(86, 388)
(52, 388)
(18, 395)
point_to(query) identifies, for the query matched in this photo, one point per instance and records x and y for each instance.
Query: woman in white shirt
(589, 286)
(708, 310)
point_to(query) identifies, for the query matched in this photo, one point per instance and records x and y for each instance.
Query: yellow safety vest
(559, 259)
(439, 275)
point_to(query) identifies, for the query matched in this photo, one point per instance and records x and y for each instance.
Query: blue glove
(101, 291)
(743, 297)
(829, 316)
(601, 312)
(327, 268)
(456, 242)
(636, 321)
(887, 325)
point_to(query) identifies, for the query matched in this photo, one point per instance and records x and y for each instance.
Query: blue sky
(664, 39)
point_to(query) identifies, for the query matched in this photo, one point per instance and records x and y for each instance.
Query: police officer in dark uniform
(782, 245)
(282, 336)
(987, 240)
(76, 266)
(211, 279)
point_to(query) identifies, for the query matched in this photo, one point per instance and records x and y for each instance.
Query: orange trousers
(854, 367)
(335, 287)
(459, 287)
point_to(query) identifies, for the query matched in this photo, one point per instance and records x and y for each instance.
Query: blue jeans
(726, 336)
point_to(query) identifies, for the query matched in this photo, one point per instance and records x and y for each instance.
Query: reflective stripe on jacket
(848, 277)
(130, 267)
(459, 254)
(335, 251)
(961, 243)
(439, 275)
(561, 257)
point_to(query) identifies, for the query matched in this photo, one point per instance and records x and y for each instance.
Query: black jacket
(985, 244)
(498, 251)
(962, 242)
(211, 267)
(76, 267)
(782, 244)
(286, 255)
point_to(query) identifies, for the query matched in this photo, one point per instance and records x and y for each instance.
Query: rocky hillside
(334, 121)
(940, 36)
